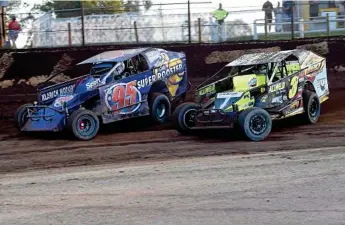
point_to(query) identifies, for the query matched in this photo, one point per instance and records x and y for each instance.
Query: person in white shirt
(278, 14)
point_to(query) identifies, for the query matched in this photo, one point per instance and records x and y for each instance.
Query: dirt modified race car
(255, 89)
(121, 84)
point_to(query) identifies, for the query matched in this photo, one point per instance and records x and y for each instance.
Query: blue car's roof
(114, 56)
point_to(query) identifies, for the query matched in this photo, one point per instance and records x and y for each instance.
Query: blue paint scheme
(163, 67)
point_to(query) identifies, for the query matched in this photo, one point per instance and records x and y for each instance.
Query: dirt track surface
(294, 187)
(115, 144)
(155, 175)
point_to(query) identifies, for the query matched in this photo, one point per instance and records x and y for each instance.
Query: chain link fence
(187, 25)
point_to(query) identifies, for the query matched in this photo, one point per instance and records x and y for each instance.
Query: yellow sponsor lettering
(207, 89)
(277, 87)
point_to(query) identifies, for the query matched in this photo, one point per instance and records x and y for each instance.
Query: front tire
(160, 108)
(84, 124)
(184, 117)
(255, 123)
(20, 116)
(312, 107)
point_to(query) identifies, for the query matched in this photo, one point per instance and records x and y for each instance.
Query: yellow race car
(255, 89)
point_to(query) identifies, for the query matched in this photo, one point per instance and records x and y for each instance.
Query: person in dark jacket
(268, 9)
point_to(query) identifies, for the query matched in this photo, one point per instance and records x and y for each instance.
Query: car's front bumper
(215, 119)
(44, 118)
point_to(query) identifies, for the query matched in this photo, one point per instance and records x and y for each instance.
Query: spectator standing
(287, 15)
(220, 15)
(268, 8)
(278, 14)
(341, 8)
(13, 31)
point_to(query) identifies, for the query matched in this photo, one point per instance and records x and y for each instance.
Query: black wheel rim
(314, 109)
(189, 118)
(161, 109)
(257, 124)
(86, 125)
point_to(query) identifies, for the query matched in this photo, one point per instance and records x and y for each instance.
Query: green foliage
(72, 8)
(134, 6)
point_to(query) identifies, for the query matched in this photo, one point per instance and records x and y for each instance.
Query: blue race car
(122, 84)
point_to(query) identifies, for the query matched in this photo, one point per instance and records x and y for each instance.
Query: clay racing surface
(154, 175)
(292, 187)
(118, 143)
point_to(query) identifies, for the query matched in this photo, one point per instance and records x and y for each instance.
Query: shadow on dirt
(143, 124)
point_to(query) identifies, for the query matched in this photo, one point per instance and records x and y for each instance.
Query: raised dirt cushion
(241, 83)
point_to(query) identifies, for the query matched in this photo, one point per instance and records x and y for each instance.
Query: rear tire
(255, 123)
(84, 124)
(20, 116)
(160, 108)
(183, 117)
(312, 107)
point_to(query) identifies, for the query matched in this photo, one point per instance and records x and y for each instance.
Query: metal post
(255, 31)
(328, 26)
(292, 21)
(82, 23)
(301, 28)
(266, 35)
(189, 24)
(2, 34)
(69, 35)
(3, 25)
(136, 32)
(199, 29)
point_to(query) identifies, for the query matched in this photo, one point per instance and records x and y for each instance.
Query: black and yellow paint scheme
(277, 87)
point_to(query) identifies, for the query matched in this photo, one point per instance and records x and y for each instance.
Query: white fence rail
(325, 21)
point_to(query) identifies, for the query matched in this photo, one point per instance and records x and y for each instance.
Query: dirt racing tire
(160, 108)
(183, 117)
(84, 124)
(312, 107)
(255, 123)
(20, 115)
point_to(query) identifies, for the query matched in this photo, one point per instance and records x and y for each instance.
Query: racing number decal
(123, 98)
(293, 87)
(118, 98)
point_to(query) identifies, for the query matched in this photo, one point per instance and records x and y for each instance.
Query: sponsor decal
(58, 92)
(152, 55)
(277, 87)
(123, 98)
(173, 73)
(277, 100)
(93, 84)
(264, 98)
(313, 68)
(252, 82)
(208, 89)
(293, 107)
(163, 60)
(229, 95)
(60, 100)
(322, 83)
(323, 98)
